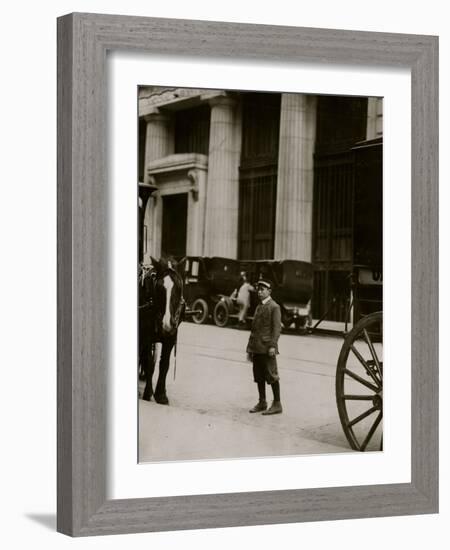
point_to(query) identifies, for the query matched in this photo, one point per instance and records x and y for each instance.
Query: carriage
(359, 371)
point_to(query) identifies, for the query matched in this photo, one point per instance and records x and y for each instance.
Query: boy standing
(263, 346)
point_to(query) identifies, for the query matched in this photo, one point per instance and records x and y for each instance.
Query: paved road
(209, 400)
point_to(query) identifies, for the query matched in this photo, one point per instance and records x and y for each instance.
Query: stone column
(196, 212)
(221, 223)
(374, 117)
(159, 138)
(293, 225)
(159, 142)
(152, 220)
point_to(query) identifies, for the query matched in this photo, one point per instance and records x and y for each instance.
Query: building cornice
(178, 162)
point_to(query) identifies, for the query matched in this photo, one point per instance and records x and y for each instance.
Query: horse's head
(164, 264)
(168, 295)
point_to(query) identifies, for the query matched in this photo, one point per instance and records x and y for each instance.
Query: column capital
(151, 181)
(222, 99)
(156, 116)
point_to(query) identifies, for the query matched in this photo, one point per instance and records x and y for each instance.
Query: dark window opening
(258, 175)
(192, 130)
(174, 225)
(341, 122)
(260, 129)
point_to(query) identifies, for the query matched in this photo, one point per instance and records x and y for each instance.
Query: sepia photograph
(260, 288)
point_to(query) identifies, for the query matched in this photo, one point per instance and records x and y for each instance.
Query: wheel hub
(377, 400)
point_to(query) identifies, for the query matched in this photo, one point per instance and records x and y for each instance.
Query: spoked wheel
(200, 306)
(359, 384)
(300, 325)
(286, 319)
(221, 314)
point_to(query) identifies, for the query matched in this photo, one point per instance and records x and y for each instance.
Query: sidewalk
(208, 436)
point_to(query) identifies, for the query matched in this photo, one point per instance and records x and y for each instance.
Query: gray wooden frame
(83, 41)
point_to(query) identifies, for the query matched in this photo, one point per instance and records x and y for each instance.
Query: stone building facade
(250, 175)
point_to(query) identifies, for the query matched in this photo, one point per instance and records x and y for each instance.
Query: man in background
(242, 297)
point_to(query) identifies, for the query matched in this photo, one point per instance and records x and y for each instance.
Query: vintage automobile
(205, 281)
(209, 283)
(293, 282)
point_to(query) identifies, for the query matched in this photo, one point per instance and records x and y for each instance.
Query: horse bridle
(145, 270)
(154, 278)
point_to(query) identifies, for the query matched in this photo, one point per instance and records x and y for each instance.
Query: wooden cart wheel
(359, 384)
(200, 306)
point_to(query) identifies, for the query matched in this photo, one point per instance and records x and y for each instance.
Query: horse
(161, 308)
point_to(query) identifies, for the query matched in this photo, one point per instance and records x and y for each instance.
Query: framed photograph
(232, 277)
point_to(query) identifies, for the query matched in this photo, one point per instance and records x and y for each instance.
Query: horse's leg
(141, 364)
(160, 391)
(148, 365)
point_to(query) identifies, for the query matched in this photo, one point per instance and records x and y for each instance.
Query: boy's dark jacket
(266, 328)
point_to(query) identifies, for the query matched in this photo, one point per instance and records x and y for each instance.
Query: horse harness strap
(175, 359)
(177, 317)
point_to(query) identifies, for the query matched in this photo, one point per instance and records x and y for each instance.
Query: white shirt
(244, 292)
